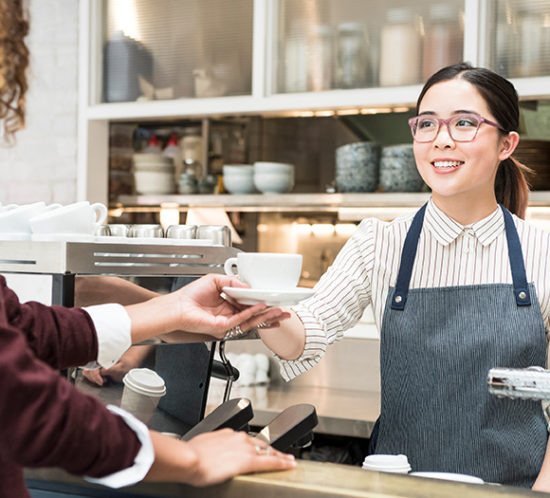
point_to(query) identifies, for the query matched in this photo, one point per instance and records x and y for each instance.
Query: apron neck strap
(515, 255)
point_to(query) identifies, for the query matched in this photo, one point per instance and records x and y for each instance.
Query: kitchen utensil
(357, 166)
(181, 231)
(269, 297)
(146, 231)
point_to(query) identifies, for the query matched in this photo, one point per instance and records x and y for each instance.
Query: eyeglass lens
(461, 128)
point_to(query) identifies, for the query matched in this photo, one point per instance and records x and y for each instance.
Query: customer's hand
(213, 457)
(133, 358)
(199, 308)
(204, 310)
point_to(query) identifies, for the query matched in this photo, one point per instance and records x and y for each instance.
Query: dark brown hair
(14, 59)
(511, 188)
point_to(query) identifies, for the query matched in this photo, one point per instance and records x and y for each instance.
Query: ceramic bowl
(273, 183)
(238, 183)
(398, 171)
(152, 182)
(273, 167)
(357, 167)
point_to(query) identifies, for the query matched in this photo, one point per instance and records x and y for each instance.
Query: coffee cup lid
(145, 381)
(387, 462)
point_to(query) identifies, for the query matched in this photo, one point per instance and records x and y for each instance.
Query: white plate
(269, 297)
(449, 476)
(64, 237)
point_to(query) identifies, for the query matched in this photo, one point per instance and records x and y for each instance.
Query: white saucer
(449, 476)
(15, 236)
(269, 297)
(63, 237)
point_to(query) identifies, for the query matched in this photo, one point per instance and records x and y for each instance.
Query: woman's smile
(446, 165)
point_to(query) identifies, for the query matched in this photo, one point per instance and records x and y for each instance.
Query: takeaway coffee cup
(397, 464)
(78, 218)
(143, 389)
(266, 270)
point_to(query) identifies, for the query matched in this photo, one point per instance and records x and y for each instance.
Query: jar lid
(443, 12)
(350, 26)
(399, 14)
(145, 381)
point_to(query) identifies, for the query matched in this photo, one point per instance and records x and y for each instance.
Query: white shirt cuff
(143, 461)
(113, 327)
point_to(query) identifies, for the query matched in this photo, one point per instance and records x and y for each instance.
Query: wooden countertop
(309, 479)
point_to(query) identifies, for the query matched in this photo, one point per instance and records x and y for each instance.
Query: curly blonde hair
(14, 59)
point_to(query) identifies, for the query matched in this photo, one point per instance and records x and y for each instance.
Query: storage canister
(443, 43)
(400, 49)
(352, 58)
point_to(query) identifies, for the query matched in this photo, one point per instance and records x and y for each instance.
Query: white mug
(265, 270)
(15, 220)
(77, 218)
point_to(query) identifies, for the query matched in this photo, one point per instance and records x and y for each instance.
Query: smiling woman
(457, 288)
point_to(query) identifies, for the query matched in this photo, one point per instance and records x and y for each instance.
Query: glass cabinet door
(520, 39)
(323, 44)
(170, 49)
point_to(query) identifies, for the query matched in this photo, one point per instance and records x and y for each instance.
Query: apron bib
(437, 346)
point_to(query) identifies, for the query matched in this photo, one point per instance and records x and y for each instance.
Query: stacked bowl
(398, 171)
(273, 178)
(238, 178)
(357, 167)
(153, 173)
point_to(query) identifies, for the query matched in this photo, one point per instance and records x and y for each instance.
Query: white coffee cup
(77, 218)
(143, 389)
(397, 464)
(266, 270)
(15, 220)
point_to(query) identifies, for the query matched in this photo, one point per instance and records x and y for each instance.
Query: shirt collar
(446, 230)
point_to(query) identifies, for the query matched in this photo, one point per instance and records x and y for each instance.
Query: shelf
(278, 202)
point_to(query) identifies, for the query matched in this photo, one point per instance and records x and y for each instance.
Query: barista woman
(460, 287)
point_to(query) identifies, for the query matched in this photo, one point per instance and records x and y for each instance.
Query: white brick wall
(42, 164)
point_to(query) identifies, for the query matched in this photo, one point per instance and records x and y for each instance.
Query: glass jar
(295, 61)
(443, 44)
(400, 49)
(352, 56)
(320, 59)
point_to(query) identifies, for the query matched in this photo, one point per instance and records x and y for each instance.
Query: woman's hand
(213, 457)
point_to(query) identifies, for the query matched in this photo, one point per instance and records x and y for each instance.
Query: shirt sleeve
(143, 461)
(341, 296)
(113, 327)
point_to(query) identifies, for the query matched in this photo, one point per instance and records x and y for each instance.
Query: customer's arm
(99, 290)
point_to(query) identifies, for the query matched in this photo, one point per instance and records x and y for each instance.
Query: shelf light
(303, 229)
(376, 110)
(345, 229)
(325, 113)
(322, 229)
(400, 109)
(347, 112)
(169, 214)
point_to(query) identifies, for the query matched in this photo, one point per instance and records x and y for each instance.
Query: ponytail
(511, 187)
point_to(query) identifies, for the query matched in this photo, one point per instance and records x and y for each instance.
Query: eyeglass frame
(446, 123)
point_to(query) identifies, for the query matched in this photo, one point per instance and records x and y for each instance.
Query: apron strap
(515, 254)
(407, 261)
(519, 278)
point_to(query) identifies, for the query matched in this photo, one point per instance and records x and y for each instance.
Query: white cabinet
(200, 58)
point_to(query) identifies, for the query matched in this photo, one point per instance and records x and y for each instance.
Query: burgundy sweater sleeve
(44, 420)
(61, 337)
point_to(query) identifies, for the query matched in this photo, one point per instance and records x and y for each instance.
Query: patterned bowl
(357, 167)
(398, 171)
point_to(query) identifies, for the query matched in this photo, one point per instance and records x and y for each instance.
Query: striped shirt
(449, 254)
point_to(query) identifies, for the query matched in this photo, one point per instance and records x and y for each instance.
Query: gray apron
(437, 346)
